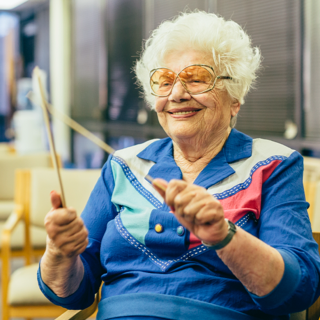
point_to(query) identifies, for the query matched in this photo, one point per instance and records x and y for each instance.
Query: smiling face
(199, 118)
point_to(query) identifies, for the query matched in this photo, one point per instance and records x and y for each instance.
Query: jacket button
(158, 228)
(180, 231)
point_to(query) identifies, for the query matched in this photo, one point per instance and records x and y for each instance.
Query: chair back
(299, 315)
(77, 185)
(315, 202)
(311, 168)
(10, 162)
(311, 179)
(6, 148)
(313, 313)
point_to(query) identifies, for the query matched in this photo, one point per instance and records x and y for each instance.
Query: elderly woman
(226, 233)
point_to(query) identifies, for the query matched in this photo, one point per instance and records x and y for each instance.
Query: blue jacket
(259, 184)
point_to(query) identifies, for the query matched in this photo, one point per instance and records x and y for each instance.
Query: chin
(182, 135)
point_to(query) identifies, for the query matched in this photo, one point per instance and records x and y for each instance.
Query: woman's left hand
(195, 209)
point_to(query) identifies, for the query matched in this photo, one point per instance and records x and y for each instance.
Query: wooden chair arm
(12, 221)
(313, 313)
(81, 314)
(10, 224)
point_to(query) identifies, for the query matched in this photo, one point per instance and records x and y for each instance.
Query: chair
(21, 295)
(85, 313)
(9, 162)
(6, 148)
(311, 178)
(316, 208)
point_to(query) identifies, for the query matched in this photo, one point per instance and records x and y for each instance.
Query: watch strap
(231, 231)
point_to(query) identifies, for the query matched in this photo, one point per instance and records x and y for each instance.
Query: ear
(235, 108)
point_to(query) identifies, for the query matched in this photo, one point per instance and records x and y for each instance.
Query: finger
(160, 185)
(184, 222)
(191, 193)
(189, 202)
(79, 248)
(74, 240)
(62, 216)
(173, 189)
(67, 230)
(80, 241)
(209, 213)
(195, 200)
(55, 199)
(73, 227)
(71, 250)
(183, 199)
(208, 224)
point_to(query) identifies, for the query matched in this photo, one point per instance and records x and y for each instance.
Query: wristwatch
(231, 231)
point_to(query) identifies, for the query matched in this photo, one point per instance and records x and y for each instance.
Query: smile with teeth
(184, 112)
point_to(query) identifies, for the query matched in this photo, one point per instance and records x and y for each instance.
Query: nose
(179, 93)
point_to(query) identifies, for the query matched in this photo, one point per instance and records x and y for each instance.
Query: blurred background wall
(87, 49)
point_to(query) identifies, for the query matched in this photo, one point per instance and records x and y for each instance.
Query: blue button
(180, 231)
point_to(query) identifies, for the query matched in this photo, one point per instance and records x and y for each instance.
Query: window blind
(274, 26)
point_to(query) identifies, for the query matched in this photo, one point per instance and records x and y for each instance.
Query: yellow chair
(311, 178)
(82, 314)
(316, 207)
(313, 313)
(6, 148)
(21, 296)
(8, 164)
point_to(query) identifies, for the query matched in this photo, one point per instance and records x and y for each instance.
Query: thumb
(55, 199)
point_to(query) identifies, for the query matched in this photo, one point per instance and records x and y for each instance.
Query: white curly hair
(230, 46)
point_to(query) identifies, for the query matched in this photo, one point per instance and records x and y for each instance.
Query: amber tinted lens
(197, 78)
(161, 81)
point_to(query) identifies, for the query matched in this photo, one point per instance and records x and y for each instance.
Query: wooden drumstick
(86, 133)
(89, 135)
(50, 137)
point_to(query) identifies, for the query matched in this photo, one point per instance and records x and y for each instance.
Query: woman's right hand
(67, 235)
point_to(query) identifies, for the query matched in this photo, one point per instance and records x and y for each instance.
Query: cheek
(160, 104)
(209, 101)
(218, 104)
(162, 120)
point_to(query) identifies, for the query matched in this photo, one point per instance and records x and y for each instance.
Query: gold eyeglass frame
(183, 84)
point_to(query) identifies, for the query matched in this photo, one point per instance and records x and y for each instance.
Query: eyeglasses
(196, 79)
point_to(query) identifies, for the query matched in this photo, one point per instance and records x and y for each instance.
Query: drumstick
(50, 137)
(89, 135)
(86, 133)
